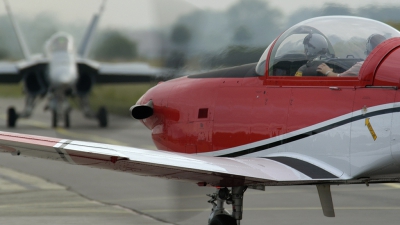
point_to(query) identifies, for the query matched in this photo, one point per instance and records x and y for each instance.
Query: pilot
(373, 41)
(315, 48)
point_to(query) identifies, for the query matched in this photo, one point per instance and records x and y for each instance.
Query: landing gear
(223, 219)
(219, 216)
(102, 117)
(54, 118)
(66, 119)
(12, 117)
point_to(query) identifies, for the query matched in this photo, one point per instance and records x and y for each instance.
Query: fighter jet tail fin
(18, 32)
(88, 38)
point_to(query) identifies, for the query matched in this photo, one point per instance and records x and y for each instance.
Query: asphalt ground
(109, 197)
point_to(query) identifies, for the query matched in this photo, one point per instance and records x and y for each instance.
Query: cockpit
(340, 42)
(60, 42)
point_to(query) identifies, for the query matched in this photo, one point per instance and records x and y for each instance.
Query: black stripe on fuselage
(306, 168)
(309, 133)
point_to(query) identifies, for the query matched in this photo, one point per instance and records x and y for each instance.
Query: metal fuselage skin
(62, 72)
(330, 121)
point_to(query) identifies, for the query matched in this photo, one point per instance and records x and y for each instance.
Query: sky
(144, 14)
(289, 6)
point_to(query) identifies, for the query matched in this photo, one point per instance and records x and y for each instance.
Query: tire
(54, 118)
(102, 117)
(12, 117)
(223, 219)
(66, 120)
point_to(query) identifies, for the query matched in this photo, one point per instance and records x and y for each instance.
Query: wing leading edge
(107, 73)
(205, 170)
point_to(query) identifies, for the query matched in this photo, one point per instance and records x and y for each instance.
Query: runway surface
(68, 194)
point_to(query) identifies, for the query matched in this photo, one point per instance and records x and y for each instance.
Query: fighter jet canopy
(59, 42)
(343, 38)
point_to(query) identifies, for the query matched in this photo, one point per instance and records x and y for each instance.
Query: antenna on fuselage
(18, 32)
(88, 38)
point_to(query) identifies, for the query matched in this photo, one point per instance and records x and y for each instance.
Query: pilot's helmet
(315, 45)
(373, 41)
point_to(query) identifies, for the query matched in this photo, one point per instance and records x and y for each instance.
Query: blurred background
(188, 36)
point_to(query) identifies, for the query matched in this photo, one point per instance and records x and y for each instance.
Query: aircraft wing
(203, 170)
(127, 72)
(9, 73)
(121, 72)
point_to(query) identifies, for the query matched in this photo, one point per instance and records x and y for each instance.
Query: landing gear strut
(219, 216)
(66, 119)
(102, 117)
(12, 117)
(54, 119)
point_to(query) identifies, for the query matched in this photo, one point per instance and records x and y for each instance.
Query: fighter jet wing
(9, 73)
(122, 72)
(12, 72)
(127, 72)
(203, 170)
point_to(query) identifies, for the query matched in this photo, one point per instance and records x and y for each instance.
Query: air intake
(141, 112)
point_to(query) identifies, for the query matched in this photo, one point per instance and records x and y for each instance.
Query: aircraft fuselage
(348, 123)
(62, 71)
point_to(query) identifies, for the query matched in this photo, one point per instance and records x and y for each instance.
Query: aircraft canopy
(60, 42)
(339, 41)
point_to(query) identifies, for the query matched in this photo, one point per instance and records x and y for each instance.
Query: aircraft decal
(306, 168)
(59, 147)
(284, 139)
(371, 130)
(298, 74)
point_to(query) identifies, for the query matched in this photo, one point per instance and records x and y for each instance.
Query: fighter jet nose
(140, 112)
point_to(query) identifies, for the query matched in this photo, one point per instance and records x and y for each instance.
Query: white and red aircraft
(266, 124)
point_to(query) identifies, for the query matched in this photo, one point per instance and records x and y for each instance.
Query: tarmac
(30, 200)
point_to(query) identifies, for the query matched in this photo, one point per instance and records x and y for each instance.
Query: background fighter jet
(63, 72)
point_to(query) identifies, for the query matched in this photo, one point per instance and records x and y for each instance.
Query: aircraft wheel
(66, 120)
(102, 117)
(54, 118)
(12, 117)
(223, 219)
